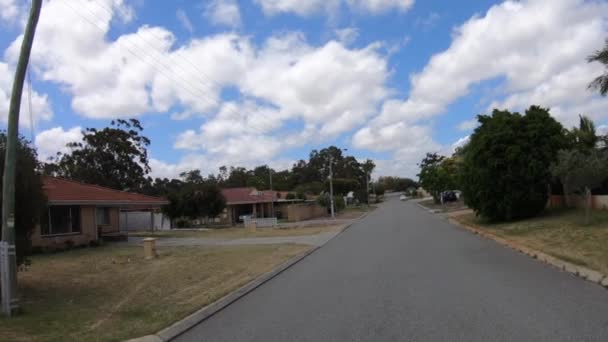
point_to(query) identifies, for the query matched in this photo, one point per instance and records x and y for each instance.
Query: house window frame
(99, 215)
(50, 233)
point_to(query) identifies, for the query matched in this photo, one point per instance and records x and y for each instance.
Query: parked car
(449, 196)
(403, 198)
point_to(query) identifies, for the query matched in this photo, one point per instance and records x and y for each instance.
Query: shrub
(507, 162)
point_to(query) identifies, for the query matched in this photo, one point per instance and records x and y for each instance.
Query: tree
(506, 165)
(195, 201)
(380, 189)
(584, 136)
(343, 186)
(600, 83)
(30, 199)
(192, 176)
(437, 174)
(581, 172)
(115, 157)
(397, 183)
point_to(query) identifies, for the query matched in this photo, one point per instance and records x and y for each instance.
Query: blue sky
(253, 82)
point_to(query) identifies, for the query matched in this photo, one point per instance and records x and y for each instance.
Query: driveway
(403, 274)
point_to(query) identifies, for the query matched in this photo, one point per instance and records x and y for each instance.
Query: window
(62, 220)
(103, 216)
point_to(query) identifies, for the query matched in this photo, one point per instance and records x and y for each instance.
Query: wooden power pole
(9, 284)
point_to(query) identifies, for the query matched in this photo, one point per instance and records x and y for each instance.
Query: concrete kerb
(579, 271)
(199, 316)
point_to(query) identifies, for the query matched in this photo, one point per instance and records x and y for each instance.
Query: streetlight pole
(331, 188)
(367, 186)
(9, 299)
(271, 191)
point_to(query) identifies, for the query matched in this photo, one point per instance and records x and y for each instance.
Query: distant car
(403, 198)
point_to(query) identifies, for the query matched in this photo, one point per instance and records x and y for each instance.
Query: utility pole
(271, 191)
(331, 188)
(10, 304)
(367, 186)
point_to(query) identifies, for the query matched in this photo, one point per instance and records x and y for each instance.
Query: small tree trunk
(587, 205)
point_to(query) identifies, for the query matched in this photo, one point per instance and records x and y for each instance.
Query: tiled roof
(246, 195)
(64, 191)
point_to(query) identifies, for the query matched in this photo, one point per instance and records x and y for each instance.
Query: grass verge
(111, 293)
(447, 207)
(239, 233)
(560, 233)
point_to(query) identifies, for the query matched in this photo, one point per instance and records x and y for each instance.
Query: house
(81, 214)
(249, 201)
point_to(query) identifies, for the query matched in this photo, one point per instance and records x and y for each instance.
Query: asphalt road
(402, 274)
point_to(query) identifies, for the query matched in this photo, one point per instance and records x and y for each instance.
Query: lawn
(560, 233)
(239, 233)
(447, 207)
(355, 212)
(111, 293)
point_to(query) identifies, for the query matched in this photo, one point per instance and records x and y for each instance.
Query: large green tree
(30, 200)
(115, 157)
(506, 165)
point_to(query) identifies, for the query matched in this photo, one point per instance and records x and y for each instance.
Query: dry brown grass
(240, 233)
(560, 233)
(111, 293)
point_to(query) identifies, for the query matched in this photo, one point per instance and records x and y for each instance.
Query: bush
(30, 200)
(290, 196)
(507, 163)
(324, 201)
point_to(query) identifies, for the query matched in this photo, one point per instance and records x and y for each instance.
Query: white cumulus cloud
(224, 12)
(54, 140)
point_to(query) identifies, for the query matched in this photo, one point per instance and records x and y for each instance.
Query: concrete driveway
(403, 274)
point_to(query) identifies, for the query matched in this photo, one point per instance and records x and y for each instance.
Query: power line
(178, 53)
(168, 75)
(160, 39)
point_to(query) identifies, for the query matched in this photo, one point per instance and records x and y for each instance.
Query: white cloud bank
(537, 47)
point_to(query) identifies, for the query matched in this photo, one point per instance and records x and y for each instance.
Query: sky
(253, 82)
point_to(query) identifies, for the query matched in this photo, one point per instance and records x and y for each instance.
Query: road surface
(403, 274)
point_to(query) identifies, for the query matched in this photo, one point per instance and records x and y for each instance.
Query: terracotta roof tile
(246, 195)
(64, 191)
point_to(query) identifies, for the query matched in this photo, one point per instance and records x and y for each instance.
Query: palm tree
(601, 82)
(584, 135)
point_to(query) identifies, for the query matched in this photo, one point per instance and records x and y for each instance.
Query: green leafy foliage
(115, 157)
(196, 201)
(578, 170)
(379, 189)
(343, 186)
(438, 174)
(30, 200)
(506, 165)
(324, 200)
(397, 183)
